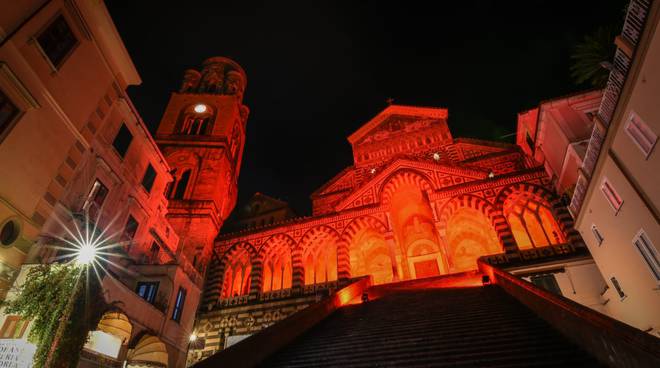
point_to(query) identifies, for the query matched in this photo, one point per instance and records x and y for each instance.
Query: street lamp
(86, 254)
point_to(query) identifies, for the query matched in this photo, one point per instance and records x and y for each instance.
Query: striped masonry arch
(501, 227)
(559, 211)
(303, 247)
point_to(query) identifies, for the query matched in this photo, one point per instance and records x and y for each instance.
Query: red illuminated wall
(415, 203)
(202, 134)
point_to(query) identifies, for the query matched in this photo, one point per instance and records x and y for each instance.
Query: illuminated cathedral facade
(415, 203)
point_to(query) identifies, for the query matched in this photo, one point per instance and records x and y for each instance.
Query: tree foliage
(44, 298)
(591, 56)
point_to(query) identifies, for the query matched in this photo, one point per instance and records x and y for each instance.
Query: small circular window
(9, 233)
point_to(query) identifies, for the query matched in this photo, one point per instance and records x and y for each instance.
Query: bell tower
(202, 134)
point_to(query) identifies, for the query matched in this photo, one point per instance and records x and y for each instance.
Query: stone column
(298, 278)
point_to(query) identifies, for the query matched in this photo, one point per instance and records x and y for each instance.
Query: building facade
(56, 78)
(556, 135)
(74, 151)
(616, 200)
(415, 203)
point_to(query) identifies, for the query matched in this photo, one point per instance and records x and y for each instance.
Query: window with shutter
(649, 253)
(641, 134)
(611, 195)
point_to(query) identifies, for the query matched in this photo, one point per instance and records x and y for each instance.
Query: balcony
(135, 307)
(631, 33)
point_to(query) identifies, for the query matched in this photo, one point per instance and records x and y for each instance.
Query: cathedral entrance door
(426, 269)
(425, 266)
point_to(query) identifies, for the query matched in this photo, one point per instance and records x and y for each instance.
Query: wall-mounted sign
(16, 353)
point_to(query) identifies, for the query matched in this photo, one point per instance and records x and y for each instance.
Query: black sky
(318, 70)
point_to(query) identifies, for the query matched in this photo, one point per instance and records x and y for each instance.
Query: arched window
(194, 125)
(169, 189)
(531, 221)
(277, 269)
(237, 275)
(196, 120)
(320, 260)
(182, 185)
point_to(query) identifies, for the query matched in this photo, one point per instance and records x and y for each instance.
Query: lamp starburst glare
(86, 254)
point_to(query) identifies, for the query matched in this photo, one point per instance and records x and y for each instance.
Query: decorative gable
(439, 176)
(400, 130)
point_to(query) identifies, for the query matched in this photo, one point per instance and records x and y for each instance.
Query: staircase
(441, 327)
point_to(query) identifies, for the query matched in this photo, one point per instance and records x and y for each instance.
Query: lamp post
(86, 254)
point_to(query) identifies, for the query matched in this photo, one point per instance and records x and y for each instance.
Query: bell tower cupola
(202, 134)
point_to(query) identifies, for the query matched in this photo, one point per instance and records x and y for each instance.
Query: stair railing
(614, 343)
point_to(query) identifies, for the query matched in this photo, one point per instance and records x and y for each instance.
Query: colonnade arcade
(410, 234)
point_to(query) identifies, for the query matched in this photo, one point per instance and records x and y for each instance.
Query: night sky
(317, 71)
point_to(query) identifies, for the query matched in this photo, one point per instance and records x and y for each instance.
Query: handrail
(256, 348)
(614, 343)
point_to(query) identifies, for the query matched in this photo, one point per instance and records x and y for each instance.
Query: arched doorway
(413, 225)
(470, 235)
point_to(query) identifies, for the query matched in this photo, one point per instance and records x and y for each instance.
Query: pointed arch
(277, 263)
(182, 185)
(237, 268)
(367, 251)
(400, 178)
(318, 251)
(492, 212)
(462, 201)
(187, 166)
(405, 194)
(536, 216)
(467, 225)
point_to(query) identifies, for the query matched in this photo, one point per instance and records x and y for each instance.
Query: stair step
(458, 327)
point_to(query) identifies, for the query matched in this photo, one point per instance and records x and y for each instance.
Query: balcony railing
(631, 33)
